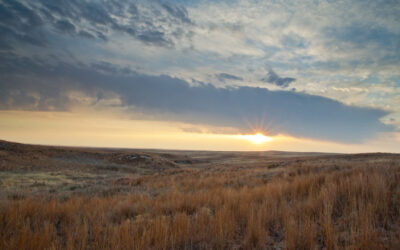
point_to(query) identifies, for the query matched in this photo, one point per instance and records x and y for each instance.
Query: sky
(205, 75)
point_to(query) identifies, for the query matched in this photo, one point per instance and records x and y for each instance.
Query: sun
(257, 138)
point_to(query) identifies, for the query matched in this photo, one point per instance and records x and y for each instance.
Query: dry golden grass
(301, 207)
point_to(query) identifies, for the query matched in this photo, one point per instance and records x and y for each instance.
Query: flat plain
(99, 198)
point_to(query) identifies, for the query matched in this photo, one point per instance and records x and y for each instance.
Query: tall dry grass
(303, 207)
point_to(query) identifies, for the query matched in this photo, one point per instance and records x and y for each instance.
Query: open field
(86, 198)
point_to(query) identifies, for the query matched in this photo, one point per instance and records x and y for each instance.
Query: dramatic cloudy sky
(311, 75)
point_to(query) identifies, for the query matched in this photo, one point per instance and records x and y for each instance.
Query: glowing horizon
(110, 130)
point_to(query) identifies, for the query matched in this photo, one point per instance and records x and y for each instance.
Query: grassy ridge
(304, 206)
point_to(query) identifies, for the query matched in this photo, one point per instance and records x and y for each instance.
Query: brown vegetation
(316, 203)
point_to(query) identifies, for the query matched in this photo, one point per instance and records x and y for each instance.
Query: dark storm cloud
(225, 76)
(274, 78)
(154, 37)
(65, 26)
(19, 23)
(157, 23)
(179, 12)
(30, 84)
(85, 34)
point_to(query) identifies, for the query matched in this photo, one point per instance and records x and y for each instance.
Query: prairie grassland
(321, 203)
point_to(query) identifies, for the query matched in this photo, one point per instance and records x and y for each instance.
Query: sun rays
(257, 138)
